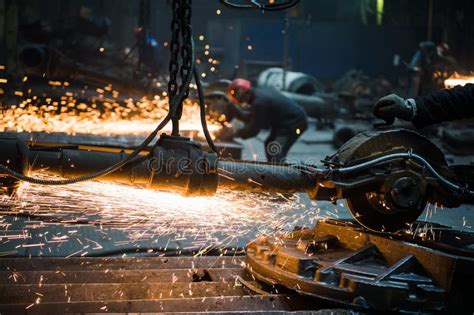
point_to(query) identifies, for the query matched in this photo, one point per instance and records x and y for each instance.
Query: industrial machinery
(426, 269)
(386, 176)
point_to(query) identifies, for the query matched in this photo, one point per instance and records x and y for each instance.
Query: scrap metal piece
(341, 262)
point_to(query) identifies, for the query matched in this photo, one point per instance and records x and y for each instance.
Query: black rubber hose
(202, 107)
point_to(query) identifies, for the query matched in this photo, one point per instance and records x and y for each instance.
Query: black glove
(393, 106)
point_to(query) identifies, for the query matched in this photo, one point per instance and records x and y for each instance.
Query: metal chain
(174, 50)
(185, 49)
(180, 43)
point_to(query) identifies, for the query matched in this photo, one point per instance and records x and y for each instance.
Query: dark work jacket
(271, 109)
(445, 105)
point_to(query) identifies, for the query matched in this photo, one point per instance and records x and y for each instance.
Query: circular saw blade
(374, 210)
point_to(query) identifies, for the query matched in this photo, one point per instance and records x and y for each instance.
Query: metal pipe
(155, 171)
(264, 177)
(70, 163)
(158, 171)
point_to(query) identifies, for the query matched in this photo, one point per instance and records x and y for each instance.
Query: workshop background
(82, 74)
(367, 37)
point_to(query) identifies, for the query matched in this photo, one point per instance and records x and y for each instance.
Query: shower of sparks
(167, 221)
(100, 112)
(458, 79)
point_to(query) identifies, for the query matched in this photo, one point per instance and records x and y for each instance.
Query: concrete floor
(85, 227)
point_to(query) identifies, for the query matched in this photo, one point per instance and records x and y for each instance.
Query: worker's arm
(252, 126)
(250, 130)
(240, 113)
(444, 105)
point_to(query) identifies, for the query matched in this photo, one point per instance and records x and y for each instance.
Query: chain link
(185, 50)
(186, 37)
(180, 44)
(174, 51)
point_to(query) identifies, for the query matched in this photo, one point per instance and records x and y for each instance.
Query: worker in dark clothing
(262, 108)
(444, 105)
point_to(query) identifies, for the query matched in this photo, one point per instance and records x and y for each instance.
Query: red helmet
(237, 89)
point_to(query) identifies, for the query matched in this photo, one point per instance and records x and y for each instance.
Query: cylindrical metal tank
(295, 82)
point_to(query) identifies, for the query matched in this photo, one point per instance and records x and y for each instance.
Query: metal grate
(139, 284)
